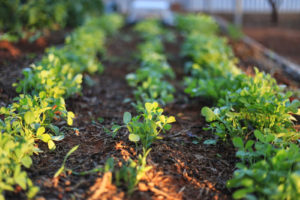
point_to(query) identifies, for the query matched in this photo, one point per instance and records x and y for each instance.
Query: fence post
(238, 13)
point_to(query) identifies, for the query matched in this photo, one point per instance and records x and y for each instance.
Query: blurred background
(267, 21)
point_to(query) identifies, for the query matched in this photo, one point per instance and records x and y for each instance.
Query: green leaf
(45, 137)
(134, 137)
(208, 114)
(61, 170)
(126, 117)
(26, 161)
(249, 144)
(51, 145)
(71, 151)
(168, 127)
(32, 192)
(259, 135)
(55, 129)
(148, 107)
(58, 137)
(239, 194)
(40, 131)
(293, 107)
(100, 119)
(115, 128)
(171, 119)
(70, 118)
(29, 117)
(238, 142)
(210, 142)
(21, 180)
(42, 94)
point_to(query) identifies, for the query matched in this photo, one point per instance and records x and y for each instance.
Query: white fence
(224, 6)
(249, 6)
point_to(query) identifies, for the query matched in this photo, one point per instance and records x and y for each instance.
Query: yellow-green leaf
(29, 117)
(171, 119)
(51, 145)
(40, 131)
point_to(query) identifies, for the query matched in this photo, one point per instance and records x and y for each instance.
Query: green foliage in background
(37, 15)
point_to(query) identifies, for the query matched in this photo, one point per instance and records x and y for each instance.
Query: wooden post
(238, 13)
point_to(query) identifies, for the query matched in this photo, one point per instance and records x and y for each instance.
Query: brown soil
(14, 50)
(183, 167)
(285, 42)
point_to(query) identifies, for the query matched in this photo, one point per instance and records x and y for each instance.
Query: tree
(275, 4)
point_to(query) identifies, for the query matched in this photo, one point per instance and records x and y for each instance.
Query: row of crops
(150, 89)
(34, 115)
(251, 112)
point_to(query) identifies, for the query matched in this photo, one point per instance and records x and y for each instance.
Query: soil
(182, 166)
(285, 42)
(283, 37)
(250, 57)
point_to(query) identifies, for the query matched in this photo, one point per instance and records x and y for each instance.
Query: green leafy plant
(257, 104)
(275, 177)
(146, 127)
(15, 152)
(131, 172)
(32, 117)
(149, 28)
(198, 23)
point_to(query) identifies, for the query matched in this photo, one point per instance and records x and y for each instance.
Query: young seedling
(146, 127)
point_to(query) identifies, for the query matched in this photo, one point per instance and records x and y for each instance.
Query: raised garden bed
(187, 163)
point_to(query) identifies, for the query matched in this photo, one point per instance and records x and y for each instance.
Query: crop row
(144, 128)
(252, 112)
(31, 117)
(150, 80)
(150, 88)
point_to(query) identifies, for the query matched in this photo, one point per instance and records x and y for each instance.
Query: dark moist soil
(182, 166)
